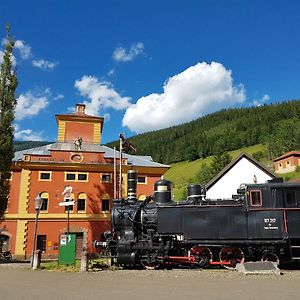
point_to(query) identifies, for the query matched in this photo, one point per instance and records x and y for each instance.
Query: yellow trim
(97, 133)
(105, 196)
(61, 131)
(48, 172)
(59, 217)
(91, 167)
(124, 185)
(79, 118)
(24, 191)
(21, 237)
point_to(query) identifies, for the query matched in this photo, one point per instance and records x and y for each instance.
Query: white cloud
(31, 104)
(25, 50)
(121, 54)
(199, 90)
(111, 72)
(28, 135)
(44, 64)
(101, 94)
(263, 100)
(106, 116)
(58, 97)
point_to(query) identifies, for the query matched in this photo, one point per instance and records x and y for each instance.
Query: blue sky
(146, 65)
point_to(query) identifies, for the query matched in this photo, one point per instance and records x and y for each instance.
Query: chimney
(80, 108)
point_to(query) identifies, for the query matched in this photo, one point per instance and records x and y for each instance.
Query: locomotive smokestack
(131, 185)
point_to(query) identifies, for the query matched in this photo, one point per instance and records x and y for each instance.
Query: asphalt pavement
(19, 282)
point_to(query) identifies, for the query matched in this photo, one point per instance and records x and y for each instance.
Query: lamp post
(38, 201)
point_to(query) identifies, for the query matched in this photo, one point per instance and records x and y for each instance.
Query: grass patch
(54, 266)
(291, 175)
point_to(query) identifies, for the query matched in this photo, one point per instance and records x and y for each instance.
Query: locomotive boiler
(260, 222)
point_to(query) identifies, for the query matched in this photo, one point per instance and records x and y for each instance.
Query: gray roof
(135, 160)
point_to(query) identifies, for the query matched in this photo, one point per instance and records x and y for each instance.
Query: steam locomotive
(260, 222)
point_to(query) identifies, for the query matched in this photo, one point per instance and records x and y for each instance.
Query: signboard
(66, 203)
(67, 245)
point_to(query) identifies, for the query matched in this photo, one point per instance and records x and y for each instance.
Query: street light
(38, 201)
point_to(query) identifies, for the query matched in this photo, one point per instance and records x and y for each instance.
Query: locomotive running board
(258, 267)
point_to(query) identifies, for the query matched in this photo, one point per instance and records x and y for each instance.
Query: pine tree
(8, 85)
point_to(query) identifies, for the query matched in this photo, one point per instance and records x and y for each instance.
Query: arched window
(81, 202)
(105, 203)
(45, 197)
(142, 197)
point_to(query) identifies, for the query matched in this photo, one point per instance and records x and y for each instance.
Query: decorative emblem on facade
(77, 158)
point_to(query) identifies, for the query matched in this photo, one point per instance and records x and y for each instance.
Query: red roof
(288, 154)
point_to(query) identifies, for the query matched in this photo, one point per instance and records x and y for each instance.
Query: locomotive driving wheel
(202, 255)
(232, 256)
(149, 259)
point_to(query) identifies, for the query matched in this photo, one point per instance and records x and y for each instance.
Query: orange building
(78, 160)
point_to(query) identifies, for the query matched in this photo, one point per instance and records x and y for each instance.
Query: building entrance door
(4, 243)
(79, 244)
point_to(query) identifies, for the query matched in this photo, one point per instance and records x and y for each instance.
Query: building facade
(244, 169)
(79, 161)
(288, 162)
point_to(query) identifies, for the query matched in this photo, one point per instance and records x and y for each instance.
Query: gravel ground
(22, 283)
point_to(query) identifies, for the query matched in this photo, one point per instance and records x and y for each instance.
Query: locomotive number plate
(270, 224)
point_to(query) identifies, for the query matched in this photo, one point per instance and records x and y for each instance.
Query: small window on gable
(280, 165)
(288, 163)
(255, 198)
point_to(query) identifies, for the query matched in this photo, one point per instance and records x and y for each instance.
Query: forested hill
(22, 145)
(276, 125)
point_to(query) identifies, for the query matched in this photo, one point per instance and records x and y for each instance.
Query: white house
(244, 169)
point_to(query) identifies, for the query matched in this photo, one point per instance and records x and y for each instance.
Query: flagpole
(115, 174)
(120, 175)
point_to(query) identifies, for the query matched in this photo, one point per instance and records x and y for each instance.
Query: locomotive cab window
(255, 198)
(290, 198)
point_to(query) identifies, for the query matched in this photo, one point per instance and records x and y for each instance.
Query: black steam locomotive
(260, 222)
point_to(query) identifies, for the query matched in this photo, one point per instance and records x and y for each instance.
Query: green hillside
(277, 126)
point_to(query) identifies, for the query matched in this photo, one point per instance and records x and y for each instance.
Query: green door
(67, 244)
